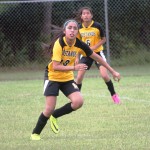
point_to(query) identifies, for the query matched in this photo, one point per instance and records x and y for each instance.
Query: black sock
(110, 87)
(79, 86)
(66, 109)
(40, 124)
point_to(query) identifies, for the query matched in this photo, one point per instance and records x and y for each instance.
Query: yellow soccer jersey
(91, 34)
(66, 55)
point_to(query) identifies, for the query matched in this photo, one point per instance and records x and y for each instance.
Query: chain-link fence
(25, 25)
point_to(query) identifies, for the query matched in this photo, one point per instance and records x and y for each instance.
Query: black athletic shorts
(51, 88)
(89, 61)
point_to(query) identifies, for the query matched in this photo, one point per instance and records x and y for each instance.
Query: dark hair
(77, 14)
(56, 33)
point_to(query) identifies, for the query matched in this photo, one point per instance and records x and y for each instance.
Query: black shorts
(89, 61)
(51, 88)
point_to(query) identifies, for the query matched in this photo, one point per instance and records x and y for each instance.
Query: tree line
(24, 26)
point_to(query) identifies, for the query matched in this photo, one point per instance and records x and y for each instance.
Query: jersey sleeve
(57, 51)
(102, 33)
(100, 28)
(84, 49)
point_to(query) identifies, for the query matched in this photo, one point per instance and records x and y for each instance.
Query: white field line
(122, 98)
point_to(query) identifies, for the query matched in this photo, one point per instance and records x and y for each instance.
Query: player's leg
(109, 83)
(80, 75)
(104, 74)
(51, 90)
(107, 80)
(79, 78)
(44, 116)
(71, 91)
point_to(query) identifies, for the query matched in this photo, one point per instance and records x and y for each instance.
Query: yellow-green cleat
(35, 137)
(54, 125)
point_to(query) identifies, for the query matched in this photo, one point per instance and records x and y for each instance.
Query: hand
(80, 67)
(116, 76)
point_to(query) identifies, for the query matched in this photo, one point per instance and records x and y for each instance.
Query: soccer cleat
(116, 99)
(54, 125)
(35, 137)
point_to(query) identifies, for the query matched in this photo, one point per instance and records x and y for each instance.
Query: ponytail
(56, 33)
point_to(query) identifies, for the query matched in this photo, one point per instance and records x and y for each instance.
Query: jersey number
(66, 62)
(88, 42)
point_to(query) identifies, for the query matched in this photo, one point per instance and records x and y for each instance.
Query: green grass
(98, 125)
(37, 72)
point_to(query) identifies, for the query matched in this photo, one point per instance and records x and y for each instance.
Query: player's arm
(77, 58)
(57, 66)
(100, 42)
(102, 38)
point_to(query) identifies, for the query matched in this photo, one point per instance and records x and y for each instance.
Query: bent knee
(48, 111)
(76, 104)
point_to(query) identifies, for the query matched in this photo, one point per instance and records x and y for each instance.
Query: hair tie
(71, 20)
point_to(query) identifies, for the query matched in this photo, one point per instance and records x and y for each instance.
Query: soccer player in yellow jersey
(92, 34)
(59, 77)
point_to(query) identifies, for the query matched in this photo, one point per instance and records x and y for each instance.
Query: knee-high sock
(40, 124)
(66, 109)
(110, 87)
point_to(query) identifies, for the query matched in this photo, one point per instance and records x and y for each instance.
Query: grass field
(98, 125)
(32, 72)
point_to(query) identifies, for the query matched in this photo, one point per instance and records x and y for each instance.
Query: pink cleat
(116, 99)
